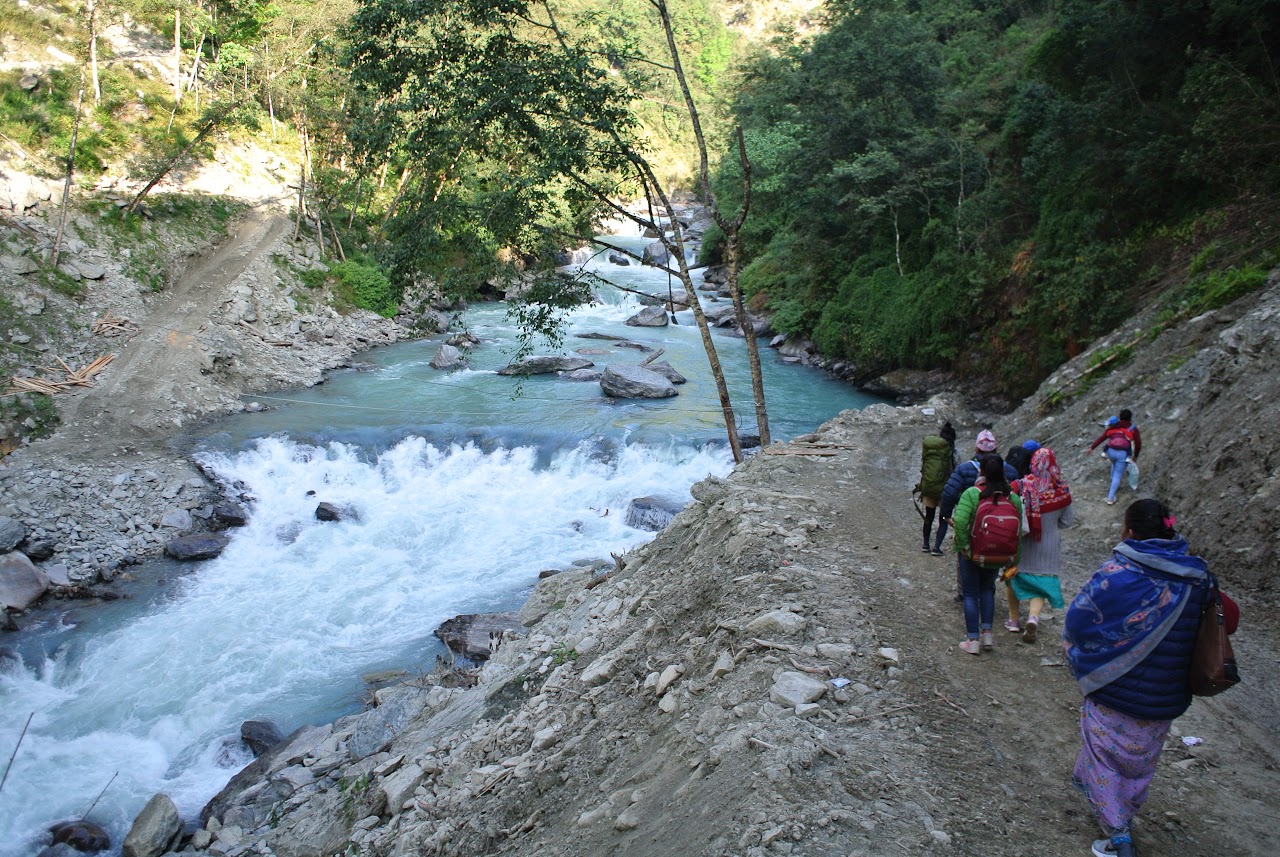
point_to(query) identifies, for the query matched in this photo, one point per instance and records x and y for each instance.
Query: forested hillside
(979, 186)
(991, 185)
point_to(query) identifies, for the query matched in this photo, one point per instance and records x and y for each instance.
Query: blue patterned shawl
(1124, 611)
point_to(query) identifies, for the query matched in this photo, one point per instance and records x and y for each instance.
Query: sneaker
(1013, 626)
(1111, 502)
(936, 551)
(924, 548)
(1029, 633)
(1116, 846)
(970, 646)
(988, 640)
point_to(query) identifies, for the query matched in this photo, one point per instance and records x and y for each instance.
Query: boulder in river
(196, 546)
(628, 381)
(81, 835)
(619, 259)
(333, 512)
(655, 254)
(228, 514)
(260, 735)
(667, 371)
(652, 513)
(21, 583)
(447, 357)
(475, 635)
(544, 365)
(155, 829)
(650, 316)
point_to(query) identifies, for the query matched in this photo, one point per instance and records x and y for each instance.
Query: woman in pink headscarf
(1046, 500)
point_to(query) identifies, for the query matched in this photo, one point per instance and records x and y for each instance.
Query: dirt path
(147, 392)
(1004, 766)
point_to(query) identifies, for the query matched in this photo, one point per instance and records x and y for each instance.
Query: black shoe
(936, 552)
(925, 548)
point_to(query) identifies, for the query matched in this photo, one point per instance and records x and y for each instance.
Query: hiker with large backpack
(937, 460)
(963, 477)
(1123, 443)
(988, 530)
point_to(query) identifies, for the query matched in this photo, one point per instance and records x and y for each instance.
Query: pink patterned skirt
(1118, 756)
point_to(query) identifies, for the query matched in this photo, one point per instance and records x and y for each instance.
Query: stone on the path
(889, 654)
(777, 622)
(21, 583)
(668, 677)
(796, 688)
(155, 829)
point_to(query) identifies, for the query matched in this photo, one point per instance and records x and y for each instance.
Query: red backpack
(997, 527)
(1120, 437)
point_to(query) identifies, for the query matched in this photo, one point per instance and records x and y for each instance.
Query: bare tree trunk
(897, 241)
(92, 8)
(177, 53)
(395, 200)
(731, 228)
(209, 125)
(71, 168)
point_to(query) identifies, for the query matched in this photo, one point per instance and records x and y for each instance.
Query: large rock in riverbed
(21, 583)
(543, 365)
(652, 513)
(628, 381)
(155, 829)
(650, 316)
(447, 357)
(475, 635)
(197, 546)
(81, 835)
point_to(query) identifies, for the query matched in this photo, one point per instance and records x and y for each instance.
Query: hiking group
(1130, 633)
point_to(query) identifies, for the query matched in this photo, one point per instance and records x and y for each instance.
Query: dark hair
(1149, 519)
(1126, 415)
(991, 466)
(948, 433)
(1019, 457)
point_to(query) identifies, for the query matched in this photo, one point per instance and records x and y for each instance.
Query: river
(462, 486)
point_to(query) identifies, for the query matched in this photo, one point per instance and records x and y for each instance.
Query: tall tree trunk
(205, 130)
(71, 168)
(92, 8)
(177, 53)
(731, 228)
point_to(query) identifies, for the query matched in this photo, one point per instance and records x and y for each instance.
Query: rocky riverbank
(776, 673)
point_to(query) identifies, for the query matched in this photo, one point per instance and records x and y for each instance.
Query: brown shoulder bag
(1213, 663)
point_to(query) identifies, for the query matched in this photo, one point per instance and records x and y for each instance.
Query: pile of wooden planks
(113, 325)
(75, 378)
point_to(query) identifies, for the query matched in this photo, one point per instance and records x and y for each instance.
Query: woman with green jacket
(988, 528)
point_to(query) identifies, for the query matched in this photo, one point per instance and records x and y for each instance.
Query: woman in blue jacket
(1129, 635)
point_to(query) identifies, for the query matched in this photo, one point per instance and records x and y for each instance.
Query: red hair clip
(1169, 521)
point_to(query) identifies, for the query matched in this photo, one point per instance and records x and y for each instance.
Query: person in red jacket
(1123, 442)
